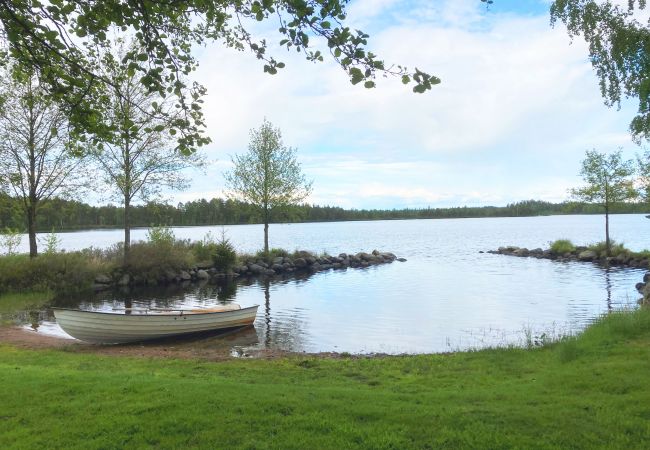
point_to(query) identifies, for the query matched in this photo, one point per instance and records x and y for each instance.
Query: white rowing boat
(141, 325)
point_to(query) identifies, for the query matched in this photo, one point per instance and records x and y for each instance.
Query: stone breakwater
(585, 254)
(582, 254)
(299, 263)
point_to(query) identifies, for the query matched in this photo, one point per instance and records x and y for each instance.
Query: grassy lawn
(587, 392)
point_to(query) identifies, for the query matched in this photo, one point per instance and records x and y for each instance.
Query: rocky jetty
(298, 263)
(582, 254)
(624, 259)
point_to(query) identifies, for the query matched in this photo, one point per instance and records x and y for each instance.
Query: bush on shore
(616, 248)
(562, 246)
(58, 272)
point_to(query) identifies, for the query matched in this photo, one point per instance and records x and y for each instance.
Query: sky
(517, 108)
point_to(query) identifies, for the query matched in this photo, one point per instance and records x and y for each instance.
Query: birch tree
(268, 175)
(141, 158)
(607, 181)
(36, 155)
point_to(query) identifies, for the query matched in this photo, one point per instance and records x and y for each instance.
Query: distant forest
(59, 214)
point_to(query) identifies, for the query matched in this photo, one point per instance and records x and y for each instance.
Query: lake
(447, 296)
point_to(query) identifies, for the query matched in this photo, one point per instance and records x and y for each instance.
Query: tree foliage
(268, 176)
(607, 181)
(619, 49)
(58, 40)
(643, 175)
(140, 158)
(36, 160)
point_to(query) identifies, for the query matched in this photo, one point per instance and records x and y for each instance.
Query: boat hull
(109, 328)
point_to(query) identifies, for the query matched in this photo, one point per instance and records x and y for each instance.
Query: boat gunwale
(176, 312)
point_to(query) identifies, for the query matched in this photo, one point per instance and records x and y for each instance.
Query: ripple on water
(447, 296)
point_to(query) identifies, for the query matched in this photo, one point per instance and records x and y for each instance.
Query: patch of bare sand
(223, 346)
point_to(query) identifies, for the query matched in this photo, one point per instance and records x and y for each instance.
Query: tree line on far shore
(59, 214)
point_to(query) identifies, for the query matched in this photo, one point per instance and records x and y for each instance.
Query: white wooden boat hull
(110, 328)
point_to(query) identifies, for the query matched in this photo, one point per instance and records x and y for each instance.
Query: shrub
(562, 246)
(278, 252)
(10, 240)
(154, 259)
(51, 242)
(205, 248)
(161, 236)
(272, 254)
(616, 248)
(58, 272)
(224, 257)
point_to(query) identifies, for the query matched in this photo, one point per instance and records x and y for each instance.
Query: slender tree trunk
(31, 228)
(127, 228)
(266, 230)
(33, 199)
(607, 243)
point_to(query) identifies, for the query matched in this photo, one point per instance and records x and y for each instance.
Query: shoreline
(385, 219)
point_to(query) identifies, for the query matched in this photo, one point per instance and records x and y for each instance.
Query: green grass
(590, 391)
(615, 248)
(562, 246)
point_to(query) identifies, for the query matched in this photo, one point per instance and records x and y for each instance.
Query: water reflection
(446, 297)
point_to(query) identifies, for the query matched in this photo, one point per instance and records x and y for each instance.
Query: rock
(202, 275)
(256, 269)
(401, 259)
(125, 280)
(363, 256)
(343, 255)
(640, 286)
(520, 252)
(277, 268)
(184, 276)
(103, 279)
(622, 259)
(310, 260)
(300, 262)
(204, 265)
(100, 286)
(277, 261)
(269, 272)
(646, 277)
(587, 255)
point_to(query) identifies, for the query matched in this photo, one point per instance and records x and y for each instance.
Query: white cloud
(517, 108)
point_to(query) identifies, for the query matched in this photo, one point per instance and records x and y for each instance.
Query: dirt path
(212, 348)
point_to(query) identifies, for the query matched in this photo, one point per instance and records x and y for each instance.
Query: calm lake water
(447, 296)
